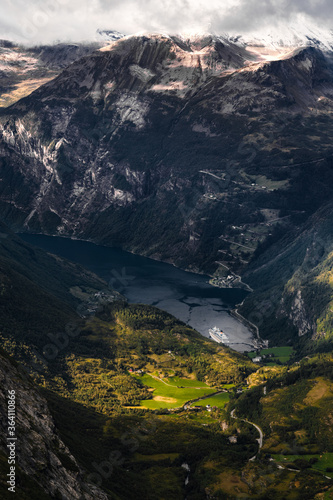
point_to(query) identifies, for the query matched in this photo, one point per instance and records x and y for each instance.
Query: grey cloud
(50, 20)
(252, 14)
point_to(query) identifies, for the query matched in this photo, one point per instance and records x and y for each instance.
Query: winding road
(176, 386)
(261, 434)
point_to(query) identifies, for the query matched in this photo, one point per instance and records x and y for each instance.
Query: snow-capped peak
(299, 34)
(109, 35)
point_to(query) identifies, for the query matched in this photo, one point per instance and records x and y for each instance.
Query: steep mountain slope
(293, 284)
(44, 466)
(200, 152)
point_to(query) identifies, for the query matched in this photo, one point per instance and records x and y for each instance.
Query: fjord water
(188, 296)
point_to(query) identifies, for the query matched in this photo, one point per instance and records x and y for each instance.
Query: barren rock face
(39, 449)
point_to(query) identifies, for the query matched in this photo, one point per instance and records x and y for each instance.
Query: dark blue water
(186, 295)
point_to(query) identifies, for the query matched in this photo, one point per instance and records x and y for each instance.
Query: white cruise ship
(217, 335)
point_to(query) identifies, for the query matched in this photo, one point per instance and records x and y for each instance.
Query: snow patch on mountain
(131, 108)
(306, 64)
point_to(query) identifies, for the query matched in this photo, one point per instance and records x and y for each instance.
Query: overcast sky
(34, 21)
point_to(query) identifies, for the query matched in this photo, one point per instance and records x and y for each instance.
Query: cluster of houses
(259, 359)
(199, 408)
(260, 343)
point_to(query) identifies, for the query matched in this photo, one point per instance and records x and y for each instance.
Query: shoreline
(171, 263)
(230, 308)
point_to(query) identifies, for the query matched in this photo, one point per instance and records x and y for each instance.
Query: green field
(281, 353)
(219, 400)
(262, 180)
(325, 460)
(185, 382)
(166, 396)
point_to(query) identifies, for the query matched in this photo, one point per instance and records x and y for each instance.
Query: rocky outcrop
(41, 454)
(299, 316)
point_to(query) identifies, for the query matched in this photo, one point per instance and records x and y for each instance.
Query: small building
(257, 359)
(232, 439)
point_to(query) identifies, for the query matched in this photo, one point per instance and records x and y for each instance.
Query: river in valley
(188, 296)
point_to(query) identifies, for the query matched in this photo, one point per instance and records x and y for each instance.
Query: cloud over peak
(54, 20)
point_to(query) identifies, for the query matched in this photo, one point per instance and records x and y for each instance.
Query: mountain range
(225, 146)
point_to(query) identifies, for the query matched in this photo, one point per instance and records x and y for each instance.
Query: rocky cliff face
(298, 315)
(40, 452)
